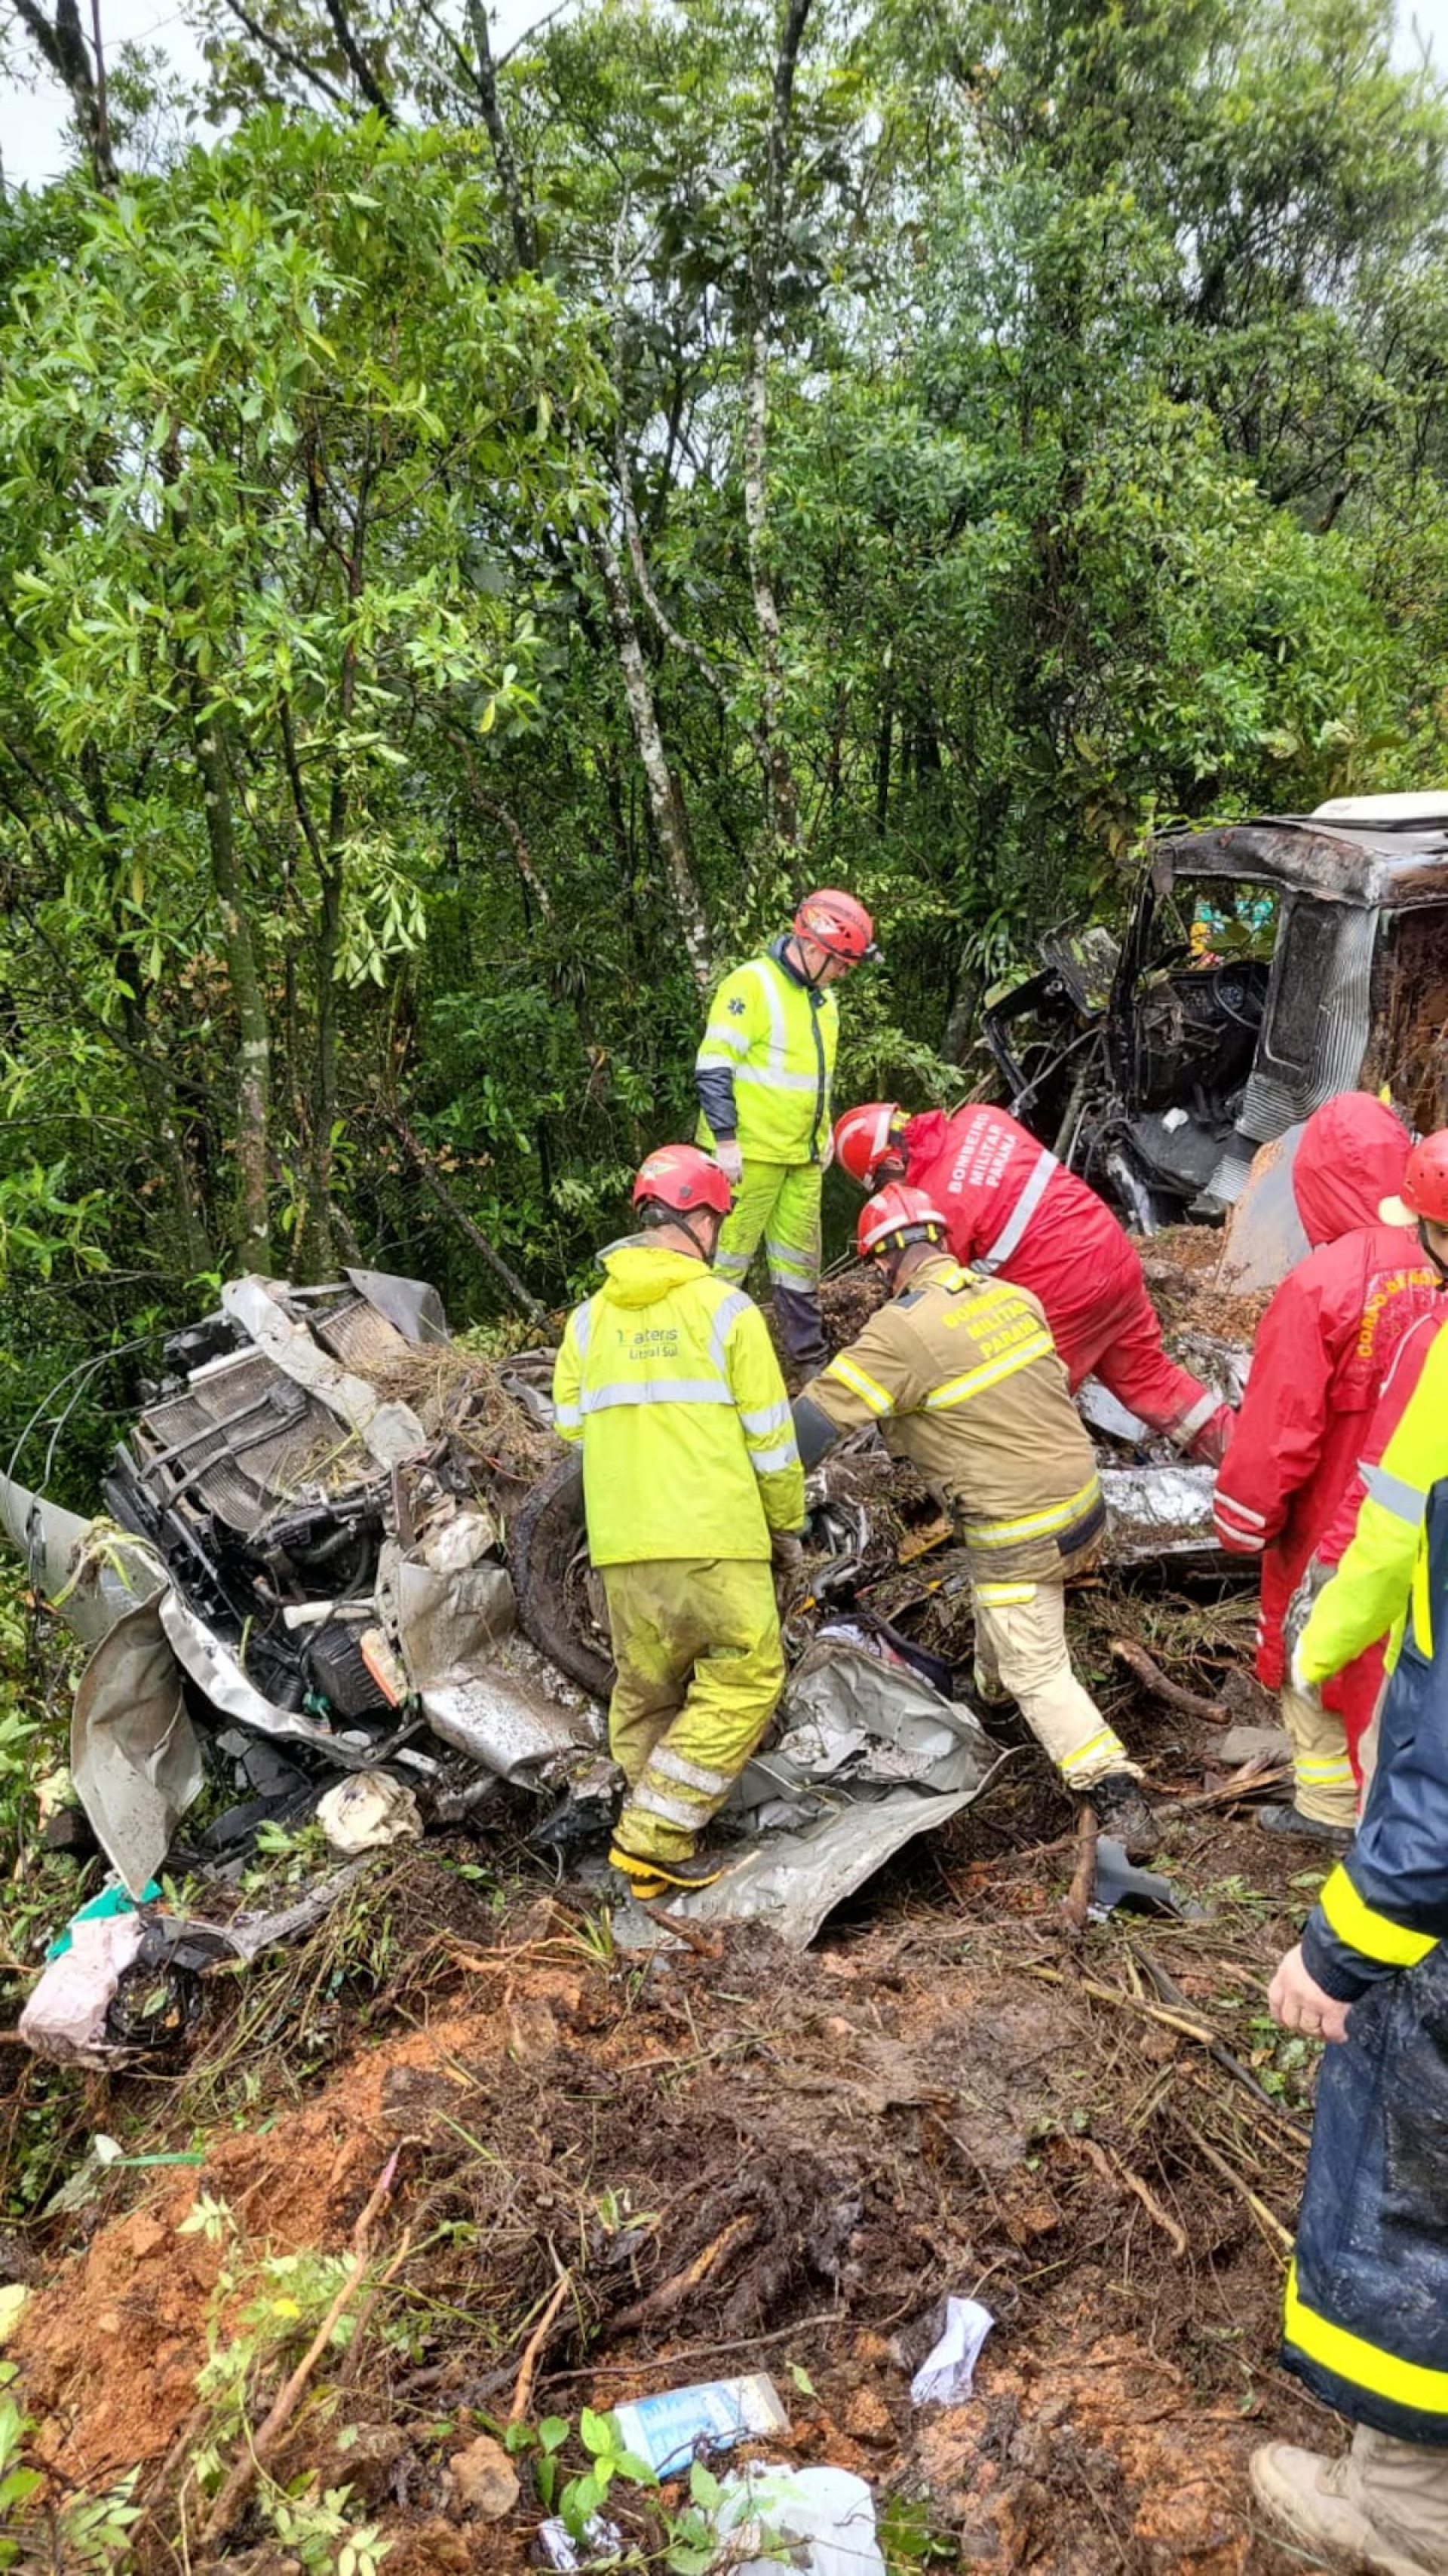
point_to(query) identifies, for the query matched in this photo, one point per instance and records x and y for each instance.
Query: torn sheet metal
(861, 1759)
(791, 1881)
(846, 1716)
(101, 1571)
(1264, 1233)
(216, 1671)
(1156, 1512)
(390, 1432)
(412, 1305)
(501, 1721)
(454, 1615)
(134, 1757)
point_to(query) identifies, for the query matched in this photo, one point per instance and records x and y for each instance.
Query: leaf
(596, 2433)
(801, 2379)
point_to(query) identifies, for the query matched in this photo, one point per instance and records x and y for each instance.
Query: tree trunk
(62, 46)
(665, 802)
(253, 1087)
(780, 789)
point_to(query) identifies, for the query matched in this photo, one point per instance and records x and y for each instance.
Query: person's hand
(786, 1555)
(729, 1159)
(827, 1150)
(1297, 2002)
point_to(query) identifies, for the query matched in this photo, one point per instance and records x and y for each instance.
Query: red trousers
(1107, 1327)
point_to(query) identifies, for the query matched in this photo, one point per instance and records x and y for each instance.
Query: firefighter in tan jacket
(960, 1375)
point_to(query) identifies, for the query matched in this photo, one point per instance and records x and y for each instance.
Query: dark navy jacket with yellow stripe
(1367, 2301)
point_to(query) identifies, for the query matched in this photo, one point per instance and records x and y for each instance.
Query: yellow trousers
(1323, 1786)
(1021, 1654)
(700, 1669)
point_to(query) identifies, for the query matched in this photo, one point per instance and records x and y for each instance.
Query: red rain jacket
(1012, 1208)
(1323, 1349)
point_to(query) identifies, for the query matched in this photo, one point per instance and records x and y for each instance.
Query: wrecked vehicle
(1267, 965)
(343, 1573)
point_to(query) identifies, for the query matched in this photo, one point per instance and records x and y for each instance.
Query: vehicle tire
(547, 1559)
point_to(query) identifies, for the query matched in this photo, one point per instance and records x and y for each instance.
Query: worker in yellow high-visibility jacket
(764, 1074)
(691, 1485)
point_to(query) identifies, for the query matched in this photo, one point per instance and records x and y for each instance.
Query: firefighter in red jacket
(1013, 1208)
(1323, 1350)
(1423, 1204)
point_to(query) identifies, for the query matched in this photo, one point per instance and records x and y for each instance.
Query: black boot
(1291, 1821)
(650, 1879)
(1124, 1811)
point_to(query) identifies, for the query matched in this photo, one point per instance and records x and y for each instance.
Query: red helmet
(679, 1176)
(897, 1215)
(837, 924)
(1425, 1181)
(861, 1138)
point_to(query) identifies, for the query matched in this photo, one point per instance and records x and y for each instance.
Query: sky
(32, 117)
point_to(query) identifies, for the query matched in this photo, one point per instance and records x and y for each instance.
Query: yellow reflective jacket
(1384, 1567)
(669, 1380)
(765, 1068)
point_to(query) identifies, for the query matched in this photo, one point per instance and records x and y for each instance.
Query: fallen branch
(701, 1943)
(1254, 1775)
(528, 2367)
(1147, 1670)
(1278, 2234)
(1111, 2169)
(432, 1180)
(672, 2294)
(284, 2405)
(348, 2371)
(1201, 2032)
(1083, 1881)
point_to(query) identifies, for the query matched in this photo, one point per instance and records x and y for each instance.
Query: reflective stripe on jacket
(1367, 2304)
(961, 1376)
(1013, 1210)
(1368, 1595)
(1386, 1904)
(669, 1380)
(766, 1064)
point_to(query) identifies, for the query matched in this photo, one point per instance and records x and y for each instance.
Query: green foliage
(91, 2534)
(1102, 483)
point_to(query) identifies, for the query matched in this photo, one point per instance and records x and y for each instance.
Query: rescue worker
(1422, 1202)
(1367, 2296)
(1013, 1210)
(959, 1374)
(668, 1379)
(763, 1074)
(1322, 1351)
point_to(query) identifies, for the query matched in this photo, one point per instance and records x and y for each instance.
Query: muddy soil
(1181, 1266)
(749, 2161)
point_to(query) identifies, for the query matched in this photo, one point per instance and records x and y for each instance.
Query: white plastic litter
(824, 2518)
(601, 2545)
(65, 2017)
(947, 2375)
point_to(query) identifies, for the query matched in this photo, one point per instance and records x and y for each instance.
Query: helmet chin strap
(682, 1222)
(1438, 1259)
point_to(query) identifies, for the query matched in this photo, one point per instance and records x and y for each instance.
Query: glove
(786, 1555)
(827, 1150)
(1298, 1678)
(1299, 1609)
(729, 1159)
